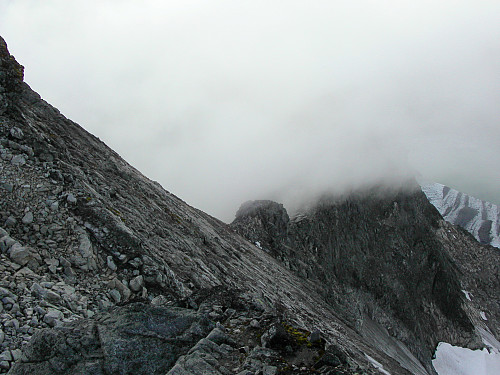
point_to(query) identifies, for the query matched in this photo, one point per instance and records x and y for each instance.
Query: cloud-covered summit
(222, 102)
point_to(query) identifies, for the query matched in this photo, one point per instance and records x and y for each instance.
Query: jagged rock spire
(11, 76)
(11, 72)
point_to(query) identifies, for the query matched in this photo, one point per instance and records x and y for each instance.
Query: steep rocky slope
(387, 254)
(480, 218)
(83, 231)
(134, 280)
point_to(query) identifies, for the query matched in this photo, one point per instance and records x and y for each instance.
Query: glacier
(478, 217)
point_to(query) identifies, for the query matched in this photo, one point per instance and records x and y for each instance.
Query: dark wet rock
(134, 339)
(276, 337)
(315, 336)
(263, 222)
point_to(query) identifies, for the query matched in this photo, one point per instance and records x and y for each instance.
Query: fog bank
(225, 101)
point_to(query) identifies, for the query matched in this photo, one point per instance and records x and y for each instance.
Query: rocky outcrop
(136, 339)
(142, 338)
(264, 223)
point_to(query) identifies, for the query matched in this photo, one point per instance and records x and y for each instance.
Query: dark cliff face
(12, 73)
(377, 252)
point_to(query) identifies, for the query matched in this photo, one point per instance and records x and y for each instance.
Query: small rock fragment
(52, 317)
(16, 133)
(28, 218)
(18, 159)
(137, 283)
(10, 222)
(19, 254)
(115, 294)
(71, 198)
(6, 356)
(7, 186)
(315, 336)
(111, 264)
(16, 354)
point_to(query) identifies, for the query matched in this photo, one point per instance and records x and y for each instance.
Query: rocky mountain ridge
(112, 262)
(388, 254)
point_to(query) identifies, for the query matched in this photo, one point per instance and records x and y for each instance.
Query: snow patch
(454, 360)
(467, 295)
(489, 340)
(377, 365)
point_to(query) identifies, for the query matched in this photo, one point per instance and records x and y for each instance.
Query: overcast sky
(226, 101)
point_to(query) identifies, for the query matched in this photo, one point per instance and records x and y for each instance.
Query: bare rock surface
(137, 339)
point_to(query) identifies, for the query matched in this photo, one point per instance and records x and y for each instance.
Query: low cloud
(226, 101)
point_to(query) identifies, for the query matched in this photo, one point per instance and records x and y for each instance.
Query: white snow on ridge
(378, 365)
(489, 340)
(480, 218)
(467, 294)
(454, 360)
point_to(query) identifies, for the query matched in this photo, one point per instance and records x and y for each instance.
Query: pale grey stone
(16, 133)
(8, 300)
(71, 198)
(7, 186)
(53, 316)
(52, 297)
(315, 336)
(137, 283)
(10, 221)
(121, 288)
(6, 243)
(115, 294)
(4, 365)
(85, 247)
(16, 354)
(28, 218)
(111, 264)
(46, 157)
(19, 254)
(18, 159)
(38, 291)
(15, 308)
(64, 262)
(269, 370)
(6, 356)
